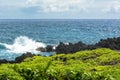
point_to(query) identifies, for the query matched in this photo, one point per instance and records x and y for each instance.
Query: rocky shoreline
(112, 43)
(19, 58)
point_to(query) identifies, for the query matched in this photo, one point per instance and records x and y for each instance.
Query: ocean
(18, 36)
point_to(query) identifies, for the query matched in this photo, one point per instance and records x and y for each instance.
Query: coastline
(111, 43)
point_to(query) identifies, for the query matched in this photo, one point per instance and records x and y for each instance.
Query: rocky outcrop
(3, 61)
(41, 49)
(18, 59)
(112, 43)
(48, 48)
(23, 56)
(70, 48)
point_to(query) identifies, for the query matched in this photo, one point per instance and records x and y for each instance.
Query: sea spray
(23, 44)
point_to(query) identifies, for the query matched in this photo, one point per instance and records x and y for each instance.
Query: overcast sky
(59, 9)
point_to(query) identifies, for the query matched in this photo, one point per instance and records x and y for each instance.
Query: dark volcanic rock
(41, 49)
(18, 59)
(79, 46)
(3, 61)
(112, 43)
(49, 48)
(64, 48)
(23, 56)
(70, 48)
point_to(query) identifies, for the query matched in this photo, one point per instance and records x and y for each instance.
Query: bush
(84, 65)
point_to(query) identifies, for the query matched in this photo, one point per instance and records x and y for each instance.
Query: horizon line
(60, 19)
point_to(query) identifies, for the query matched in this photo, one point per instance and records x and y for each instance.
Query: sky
(59, 9)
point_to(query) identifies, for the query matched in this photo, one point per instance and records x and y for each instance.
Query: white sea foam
(23, 44)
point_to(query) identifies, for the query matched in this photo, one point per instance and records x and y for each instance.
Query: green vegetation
(99, 64)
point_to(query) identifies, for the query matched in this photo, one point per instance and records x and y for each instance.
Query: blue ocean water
(19, 36)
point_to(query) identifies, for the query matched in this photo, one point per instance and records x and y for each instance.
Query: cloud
(60, 5)
(112, 7)
(30, 10)
(60, 8)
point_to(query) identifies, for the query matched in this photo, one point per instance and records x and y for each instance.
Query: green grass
(99, 64)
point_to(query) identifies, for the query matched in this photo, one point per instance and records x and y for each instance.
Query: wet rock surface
(41, 49)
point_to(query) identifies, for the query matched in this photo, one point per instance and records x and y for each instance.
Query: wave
(22, 44)
(2, 46)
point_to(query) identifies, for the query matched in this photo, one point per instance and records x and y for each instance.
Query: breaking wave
(22, 44)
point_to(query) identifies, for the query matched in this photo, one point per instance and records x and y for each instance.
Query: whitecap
(23, 44)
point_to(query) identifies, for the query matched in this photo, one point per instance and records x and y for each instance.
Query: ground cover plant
(98, 64)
